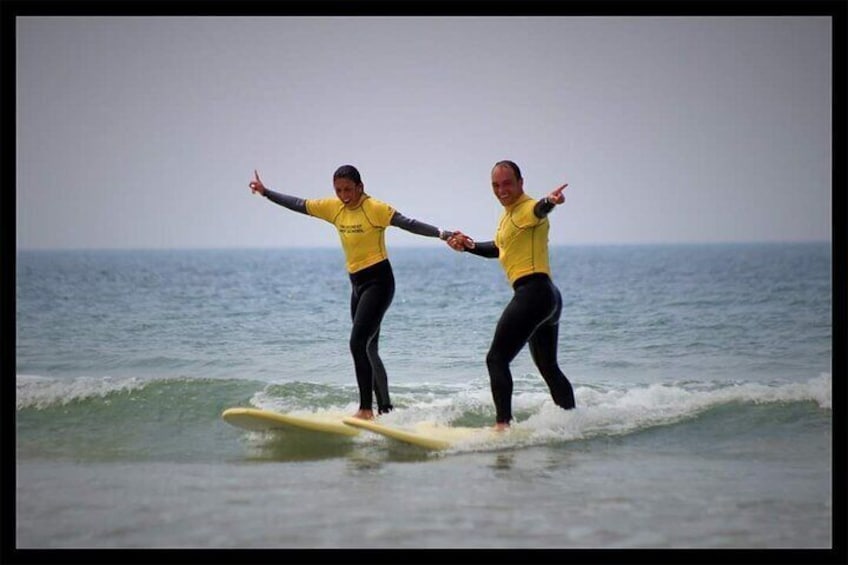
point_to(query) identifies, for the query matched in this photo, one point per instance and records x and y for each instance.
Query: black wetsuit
(372, 290)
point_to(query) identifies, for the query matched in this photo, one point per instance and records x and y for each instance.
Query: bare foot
(501, 426)
(364, 414)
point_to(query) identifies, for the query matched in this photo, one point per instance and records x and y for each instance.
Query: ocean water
(702, 375)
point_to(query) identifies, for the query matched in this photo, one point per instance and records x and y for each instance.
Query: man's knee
(495, 360)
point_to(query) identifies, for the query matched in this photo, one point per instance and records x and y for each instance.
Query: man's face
(506, 187)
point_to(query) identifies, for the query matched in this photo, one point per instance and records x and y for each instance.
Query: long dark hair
(511, 165)
(348, 172)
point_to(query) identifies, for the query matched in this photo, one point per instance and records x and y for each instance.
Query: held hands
(460, 242)
(256, 184)
(556, 196)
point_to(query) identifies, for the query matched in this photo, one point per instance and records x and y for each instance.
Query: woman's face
(348, 191)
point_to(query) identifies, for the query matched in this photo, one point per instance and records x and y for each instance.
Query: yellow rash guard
(522, 239)
(361, 230)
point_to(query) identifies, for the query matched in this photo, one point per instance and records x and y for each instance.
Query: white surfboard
(425, 434)
(255, 419)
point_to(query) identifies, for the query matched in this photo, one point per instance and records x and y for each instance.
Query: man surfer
(532, 316)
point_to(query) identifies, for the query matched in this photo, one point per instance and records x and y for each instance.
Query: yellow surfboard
(424, 434)
(255, 419)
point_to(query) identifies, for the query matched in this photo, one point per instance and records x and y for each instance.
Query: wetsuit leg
(379, 377)
(531, 304)
(543, 349)
(369, 302)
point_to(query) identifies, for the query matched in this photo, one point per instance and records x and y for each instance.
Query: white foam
(621, 411)
(615, 412)
(293, 405)
(33, 391)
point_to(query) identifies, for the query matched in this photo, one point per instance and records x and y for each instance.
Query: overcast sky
(143, 132)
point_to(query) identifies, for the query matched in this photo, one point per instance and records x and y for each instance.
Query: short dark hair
(348, 172)
(511, 165)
